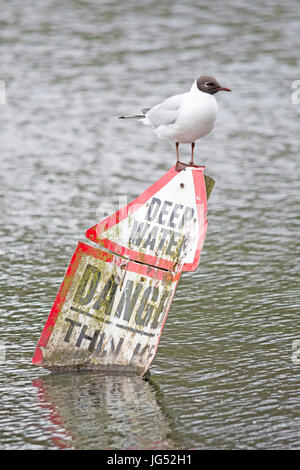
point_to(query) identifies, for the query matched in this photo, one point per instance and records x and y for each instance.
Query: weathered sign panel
(164, 227)
(109, 313)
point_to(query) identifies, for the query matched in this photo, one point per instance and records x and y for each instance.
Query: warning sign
(109, 312)
(164, 227)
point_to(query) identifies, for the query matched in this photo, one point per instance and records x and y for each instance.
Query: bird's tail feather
(137, 116)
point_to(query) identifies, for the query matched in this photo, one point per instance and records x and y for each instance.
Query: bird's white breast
(195, 118)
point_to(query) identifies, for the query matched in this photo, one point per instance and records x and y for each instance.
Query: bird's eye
(208, 84)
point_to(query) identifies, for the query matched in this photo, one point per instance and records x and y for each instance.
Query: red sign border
(114, 219)
(81, 249)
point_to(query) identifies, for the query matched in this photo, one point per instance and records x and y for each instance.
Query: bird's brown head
(209, 84)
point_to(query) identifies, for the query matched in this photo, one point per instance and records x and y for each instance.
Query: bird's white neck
(195, 89)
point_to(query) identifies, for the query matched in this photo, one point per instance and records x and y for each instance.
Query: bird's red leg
(192, 157)
(177, 151)
(179, 165)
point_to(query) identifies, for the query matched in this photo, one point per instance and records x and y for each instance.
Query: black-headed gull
(185, 118)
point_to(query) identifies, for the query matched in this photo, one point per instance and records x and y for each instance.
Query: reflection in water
(94, 411)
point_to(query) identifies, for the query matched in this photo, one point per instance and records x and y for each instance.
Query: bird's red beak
(224, 88)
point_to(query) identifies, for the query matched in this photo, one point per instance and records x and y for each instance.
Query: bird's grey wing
(165, 113)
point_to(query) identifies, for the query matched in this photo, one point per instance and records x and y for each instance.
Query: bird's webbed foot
(180, 166)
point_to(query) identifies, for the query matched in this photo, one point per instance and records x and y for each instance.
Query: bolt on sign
(164, 227)
(112, 305)
(109, 312)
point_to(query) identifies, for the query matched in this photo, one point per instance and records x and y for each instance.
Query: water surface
(223, 376)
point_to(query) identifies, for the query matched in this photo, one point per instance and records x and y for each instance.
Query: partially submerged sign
(164, 227)
(111, 307)
(109, 313)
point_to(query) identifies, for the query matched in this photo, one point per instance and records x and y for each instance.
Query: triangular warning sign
(164, 227)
